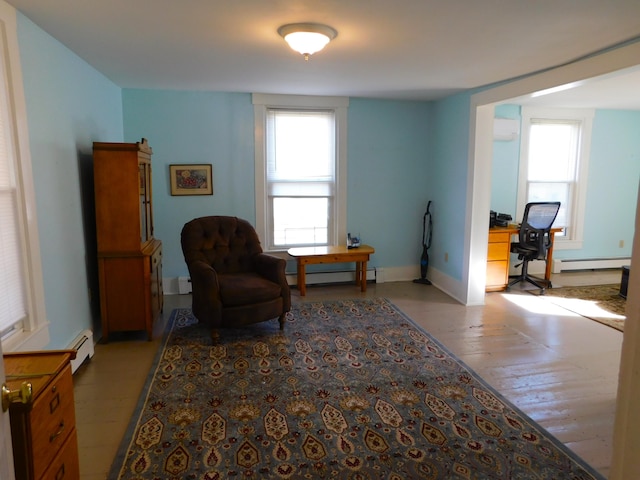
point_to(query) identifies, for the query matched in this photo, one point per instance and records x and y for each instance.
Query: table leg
(363, 276)
(358, 270)
(302, 286)
(549, 260)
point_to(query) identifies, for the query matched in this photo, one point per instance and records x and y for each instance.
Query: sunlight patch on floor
(537, 305)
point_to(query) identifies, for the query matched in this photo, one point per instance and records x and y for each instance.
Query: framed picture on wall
(191, 179)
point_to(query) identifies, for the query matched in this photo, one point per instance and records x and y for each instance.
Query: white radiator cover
(83, 345)
(589, 264)
(316, 278)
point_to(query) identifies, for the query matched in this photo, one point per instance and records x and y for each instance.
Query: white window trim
(261, 103)
(585, 116)
(35, 332)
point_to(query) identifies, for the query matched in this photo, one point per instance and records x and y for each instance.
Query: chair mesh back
(541, 215)
(535, 228)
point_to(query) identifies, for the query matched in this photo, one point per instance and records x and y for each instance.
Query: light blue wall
(612, 186)
(448, 183)
(387, 166)
(612, 190)
(505, 167)
(69, 105)
(194, 127)
(388, 177)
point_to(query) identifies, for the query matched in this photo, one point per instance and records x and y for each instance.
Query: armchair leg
(281, 319)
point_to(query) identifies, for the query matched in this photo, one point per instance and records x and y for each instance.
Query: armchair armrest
(205, 291)
(270, 267)
(273, 268)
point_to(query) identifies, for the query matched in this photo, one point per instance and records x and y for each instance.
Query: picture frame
(191, 179)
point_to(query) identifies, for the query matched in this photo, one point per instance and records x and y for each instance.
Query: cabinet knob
(22, 395)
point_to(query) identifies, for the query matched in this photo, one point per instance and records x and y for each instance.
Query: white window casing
(579, 122)
(264, 107)
(22, 252)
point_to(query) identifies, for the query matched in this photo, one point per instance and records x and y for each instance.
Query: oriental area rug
(350, 389)
(601, 303)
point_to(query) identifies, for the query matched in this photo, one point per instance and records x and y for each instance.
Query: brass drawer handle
(23, 395)
(58, 433)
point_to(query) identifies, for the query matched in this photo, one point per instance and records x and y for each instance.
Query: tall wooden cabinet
(129, 257)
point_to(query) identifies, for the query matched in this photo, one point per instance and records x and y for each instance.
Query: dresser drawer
(52, 419)
(65, 466)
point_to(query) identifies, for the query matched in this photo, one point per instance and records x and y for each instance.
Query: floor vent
(83, 345)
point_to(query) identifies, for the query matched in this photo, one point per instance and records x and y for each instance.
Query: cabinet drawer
(66, 465)
(52, 419)
(497, 251)
(499, 237)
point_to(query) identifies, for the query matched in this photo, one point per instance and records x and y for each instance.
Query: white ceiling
(402, 49)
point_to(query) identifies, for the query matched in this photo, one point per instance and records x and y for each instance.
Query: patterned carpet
(601, 303)
(349, 390)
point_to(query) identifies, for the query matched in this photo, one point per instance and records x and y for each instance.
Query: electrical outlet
(621, 244)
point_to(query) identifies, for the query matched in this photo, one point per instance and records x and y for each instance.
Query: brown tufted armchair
(233, 282)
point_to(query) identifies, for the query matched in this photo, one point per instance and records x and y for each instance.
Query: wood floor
(559, 368)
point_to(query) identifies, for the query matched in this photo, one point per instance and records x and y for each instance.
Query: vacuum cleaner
(427, 230)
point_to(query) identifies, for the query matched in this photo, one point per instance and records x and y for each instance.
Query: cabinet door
(157, 297)
(146, 219)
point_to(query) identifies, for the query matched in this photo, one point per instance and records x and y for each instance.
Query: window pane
(300, 221)
(552, 192)
(301, 146)
(552, 151)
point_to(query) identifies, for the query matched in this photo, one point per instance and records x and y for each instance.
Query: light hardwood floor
(559, 368)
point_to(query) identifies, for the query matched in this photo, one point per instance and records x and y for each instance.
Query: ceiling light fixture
(307, 38)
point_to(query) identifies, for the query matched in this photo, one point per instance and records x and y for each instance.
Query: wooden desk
(499, 252)
(332, 254)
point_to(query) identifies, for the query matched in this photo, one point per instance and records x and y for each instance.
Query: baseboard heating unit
(83, 345)
(327, 278)
(589, 264)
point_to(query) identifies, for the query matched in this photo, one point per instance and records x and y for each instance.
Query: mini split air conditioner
(506, 129)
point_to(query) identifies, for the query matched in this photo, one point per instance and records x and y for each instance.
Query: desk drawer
(498, 251)
(52, 420)
(66, 465)
(497, 274)
(499, 237)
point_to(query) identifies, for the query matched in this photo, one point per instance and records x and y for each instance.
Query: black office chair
(534, 239)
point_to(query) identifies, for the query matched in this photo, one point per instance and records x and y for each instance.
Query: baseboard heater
(83, 345)
(311, 278)
(589, 264)
(327, 278)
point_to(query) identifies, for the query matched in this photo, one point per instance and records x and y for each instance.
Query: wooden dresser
(43, 430)
(129, 257)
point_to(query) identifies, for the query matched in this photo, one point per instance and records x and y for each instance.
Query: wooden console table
(332, 254)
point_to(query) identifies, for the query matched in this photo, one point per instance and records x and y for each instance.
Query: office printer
(499, 219)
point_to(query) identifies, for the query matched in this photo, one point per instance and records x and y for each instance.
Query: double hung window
(300, 170)
(553, 167)
(22, 317)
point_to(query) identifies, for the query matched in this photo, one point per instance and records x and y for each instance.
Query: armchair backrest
(536, 226)
(226, 243)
